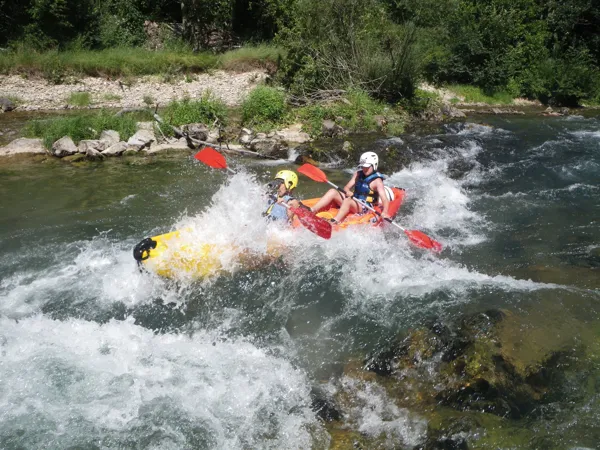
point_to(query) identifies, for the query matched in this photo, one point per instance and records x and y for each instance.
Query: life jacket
(276, 211)
(363, 191)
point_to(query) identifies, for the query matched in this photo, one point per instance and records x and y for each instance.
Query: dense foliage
(264, 105)
(541, 49)
(207, 109)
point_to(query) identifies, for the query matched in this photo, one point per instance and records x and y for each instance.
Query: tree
(349, 44)
(201, 19)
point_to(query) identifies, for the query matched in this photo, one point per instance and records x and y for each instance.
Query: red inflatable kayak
(368, 218)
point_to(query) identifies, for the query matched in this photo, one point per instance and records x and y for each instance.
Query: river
(95, 353)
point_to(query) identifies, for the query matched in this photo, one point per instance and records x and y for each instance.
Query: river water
(97, 354)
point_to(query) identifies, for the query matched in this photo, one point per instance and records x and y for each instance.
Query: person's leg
(332, 195)
(348, 206)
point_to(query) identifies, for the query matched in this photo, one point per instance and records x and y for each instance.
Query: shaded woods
(538, 49)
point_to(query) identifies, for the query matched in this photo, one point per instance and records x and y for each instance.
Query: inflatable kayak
(395, 195)
(171, 255)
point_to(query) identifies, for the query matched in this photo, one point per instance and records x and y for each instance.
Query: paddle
(308, 219)
(417, 237)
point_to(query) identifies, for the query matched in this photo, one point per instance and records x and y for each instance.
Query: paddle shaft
(366, 205)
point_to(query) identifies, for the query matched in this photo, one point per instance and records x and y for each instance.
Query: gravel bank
(38, 94)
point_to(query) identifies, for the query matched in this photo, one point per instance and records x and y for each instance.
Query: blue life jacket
(276, 211)
(363, 191)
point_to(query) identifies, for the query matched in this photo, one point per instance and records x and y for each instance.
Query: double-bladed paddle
(417, 237)
(308, 219)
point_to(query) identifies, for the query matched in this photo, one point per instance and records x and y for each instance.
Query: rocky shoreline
(22, 94)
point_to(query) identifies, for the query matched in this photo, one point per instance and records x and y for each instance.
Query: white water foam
(374, 414)
(75, 382)
(439, 203)
(586, 134)
(93, 274)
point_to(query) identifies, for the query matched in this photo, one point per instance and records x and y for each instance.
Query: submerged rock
(476, 379)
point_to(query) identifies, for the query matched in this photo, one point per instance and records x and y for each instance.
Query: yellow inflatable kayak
(172, 255)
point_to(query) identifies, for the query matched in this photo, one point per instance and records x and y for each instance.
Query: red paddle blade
(312, 172)
(420, 239)
(212, 158)
(317, 225)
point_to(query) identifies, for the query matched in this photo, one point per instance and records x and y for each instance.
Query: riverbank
(38, 93)
(133, 92)
(227, 107)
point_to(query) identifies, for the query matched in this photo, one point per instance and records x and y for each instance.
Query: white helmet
(369, 159)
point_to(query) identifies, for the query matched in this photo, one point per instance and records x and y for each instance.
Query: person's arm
(350, 185)
(383, 196)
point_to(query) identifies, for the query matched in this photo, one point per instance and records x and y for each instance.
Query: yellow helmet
(289, 178)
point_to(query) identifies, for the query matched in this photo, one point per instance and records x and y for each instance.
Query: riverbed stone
(269, 147)
(141, 139)
(93, 154)
(293, 134)
(214, 135)
(94, 144)
(115, 149)
(64, 147)
(6, 105)
(451, 112)
(179, 145)
(197, 131)
(23, 146)
(110, 137)
(246, 135)
(331, 129)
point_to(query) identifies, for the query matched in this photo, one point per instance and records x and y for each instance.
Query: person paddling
(284, 183)
(368, 187)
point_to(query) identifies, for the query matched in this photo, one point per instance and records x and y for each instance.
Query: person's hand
(385, 216)
(348, 194)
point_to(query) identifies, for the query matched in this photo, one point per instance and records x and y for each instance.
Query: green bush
(356, 112)
(205, 110)
(121, 24)
(79, 127)
(265, 106)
